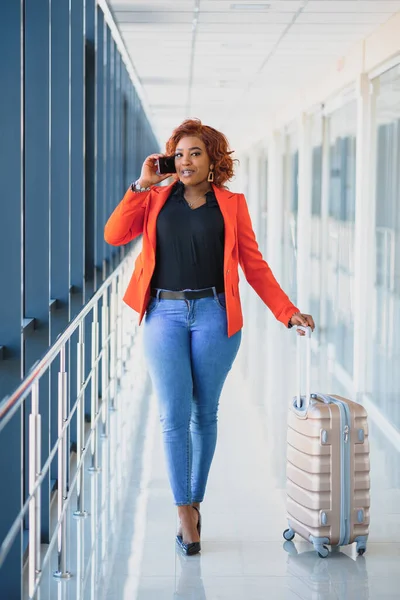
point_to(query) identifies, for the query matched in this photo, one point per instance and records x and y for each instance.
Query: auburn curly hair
(216, 144)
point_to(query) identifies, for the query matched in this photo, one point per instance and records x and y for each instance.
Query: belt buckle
(190, 295)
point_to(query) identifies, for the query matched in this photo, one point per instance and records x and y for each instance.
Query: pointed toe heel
(188, 549)
(193, 547)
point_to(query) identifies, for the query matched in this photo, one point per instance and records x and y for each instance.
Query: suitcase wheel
(361, 545)
(288, 534)
(323, 551)
(361, 550)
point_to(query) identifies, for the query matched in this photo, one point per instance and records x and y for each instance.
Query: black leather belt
(189, 295)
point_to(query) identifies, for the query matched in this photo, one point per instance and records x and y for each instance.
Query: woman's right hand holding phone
(148, 175)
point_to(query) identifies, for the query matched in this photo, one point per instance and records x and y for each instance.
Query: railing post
(113, 344)
(94, 519)
(94, 468)
(124, 329)
(34, 471)
(80, 559)
(63, 456)
(104, 365)
(119, 327)
(80, 371)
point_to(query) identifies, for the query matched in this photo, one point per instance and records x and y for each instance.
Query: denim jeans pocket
(220, 301)
(152, 305)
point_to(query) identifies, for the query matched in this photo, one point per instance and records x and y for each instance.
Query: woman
(195, 232)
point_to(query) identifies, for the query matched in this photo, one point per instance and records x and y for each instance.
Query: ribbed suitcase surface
(328, 482)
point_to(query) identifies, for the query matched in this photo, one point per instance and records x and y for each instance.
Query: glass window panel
(290, 203)
(316, 168)
(386, 345)
(316, 127)
(340, 276)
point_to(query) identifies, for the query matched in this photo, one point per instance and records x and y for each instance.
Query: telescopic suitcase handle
(308, 332)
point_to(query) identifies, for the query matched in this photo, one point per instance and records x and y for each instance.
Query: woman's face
(192, 161)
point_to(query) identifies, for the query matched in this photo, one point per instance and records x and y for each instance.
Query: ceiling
(233, 62)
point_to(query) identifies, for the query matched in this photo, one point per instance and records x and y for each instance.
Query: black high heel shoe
(199, 521)
(192, 547)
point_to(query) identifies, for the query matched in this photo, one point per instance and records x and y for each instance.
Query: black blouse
(190, 244)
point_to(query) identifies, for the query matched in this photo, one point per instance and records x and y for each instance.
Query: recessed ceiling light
(255, 7)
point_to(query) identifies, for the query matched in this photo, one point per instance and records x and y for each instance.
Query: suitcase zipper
(344, 468)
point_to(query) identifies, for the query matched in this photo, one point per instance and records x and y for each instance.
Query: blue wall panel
(118, 189)
(108, 143)
(10, 272)
(77, 183)
(90, 135)
(77, 159)
(59, 193)
(36, 216)
(100, 176)
(90, 164)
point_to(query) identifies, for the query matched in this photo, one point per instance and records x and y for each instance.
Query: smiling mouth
(187, 172)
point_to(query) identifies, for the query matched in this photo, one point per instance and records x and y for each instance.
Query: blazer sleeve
(257, 271)
(126, 222)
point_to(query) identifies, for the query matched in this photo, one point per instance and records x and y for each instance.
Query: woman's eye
(179, 154)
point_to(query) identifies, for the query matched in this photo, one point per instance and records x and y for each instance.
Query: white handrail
(14, 401)
(110, 293)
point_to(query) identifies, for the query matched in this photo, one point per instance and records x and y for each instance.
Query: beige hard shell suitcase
(328, 480)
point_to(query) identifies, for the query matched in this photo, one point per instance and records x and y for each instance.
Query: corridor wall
(334, 239)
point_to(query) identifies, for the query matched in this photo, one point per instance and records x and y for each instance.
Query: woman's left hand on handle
(304, 320)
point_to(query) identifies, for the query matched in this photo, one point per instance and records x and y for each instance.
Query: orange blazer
(137, 213)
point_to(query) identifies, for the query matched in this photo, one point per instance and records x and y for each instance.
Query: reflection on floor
(244, 556)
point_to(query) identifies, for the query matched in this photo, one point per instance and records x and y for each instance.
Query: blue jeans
(189, 355)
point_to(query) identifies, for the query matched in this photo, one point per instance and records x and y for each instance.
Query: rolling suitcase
(328, 481)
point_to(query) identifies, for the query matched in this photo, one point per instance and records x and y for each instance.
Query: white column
(275, 204)
(364, 235)
(275, 337)
(253, 304)
(304, 216)
(245, 181)
(244, 286)
(252, 186)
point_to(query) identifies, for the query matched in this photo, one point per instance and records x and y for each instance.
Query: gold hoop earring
(210, 177)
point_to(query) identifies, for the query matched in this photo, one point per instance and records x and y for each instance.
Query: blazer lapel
(228, 206)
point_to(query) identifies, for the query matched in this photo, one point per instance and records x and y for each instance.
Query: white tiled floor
(244, 556)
